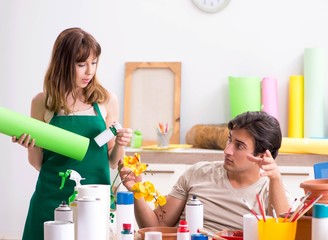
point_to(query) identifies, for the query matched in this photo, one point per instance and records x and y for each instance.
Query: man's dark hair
(263, 127)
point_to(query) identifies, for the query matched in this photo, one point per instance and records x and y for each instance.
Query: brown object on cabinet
(210, 136)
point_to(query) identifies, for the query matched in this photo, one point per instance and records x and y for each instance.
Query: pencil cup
(163, 140)
(271, 230)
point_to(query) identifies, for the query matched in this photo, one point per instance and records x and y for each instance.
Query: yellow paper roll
(304, 145)
(296, 107)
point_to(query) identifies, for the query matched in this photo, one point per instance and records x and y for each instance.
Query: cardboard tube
(46, 136)
(296, 107)
(304, 145)
(245, 94)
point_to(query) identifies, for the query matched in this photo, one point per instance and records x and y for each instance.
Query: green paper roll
(315, 77)
(245, 94)
(46, 136)
(304, 145)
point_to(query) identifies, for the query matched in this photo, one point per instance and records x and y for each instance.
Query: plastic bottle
(199, 236)
(136, 140)
(63, 213)
(183, 231)
(124, 210)
(194, 214)
(126, 233)
(319, 221)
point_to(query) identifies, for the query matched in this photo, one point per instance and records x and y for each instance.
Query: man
(222, 186)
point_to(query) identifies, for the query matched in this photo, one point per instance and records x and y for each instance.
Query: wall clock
(211, 6)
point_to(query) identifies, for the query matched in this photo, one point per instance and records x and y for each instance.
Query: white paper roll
(90, 224)
(250, 223)
(250, 226)
(102, 192)
(58, 230)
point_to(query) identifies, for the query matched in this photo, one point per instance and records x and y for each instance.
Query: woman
(74, 100)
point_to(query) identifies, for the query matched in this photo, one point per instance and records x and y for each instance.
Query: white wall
(249, 38)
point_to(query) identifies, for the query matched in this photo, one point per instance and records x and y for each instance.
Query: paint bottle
(63, 213)
(198, 236)
(319, 221)
(124, 210)
(136, 140)
(126, 233)
(194, 214)
(183, 231)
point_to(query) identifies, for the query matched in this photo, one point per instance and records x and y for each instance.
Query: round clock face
(211, 6)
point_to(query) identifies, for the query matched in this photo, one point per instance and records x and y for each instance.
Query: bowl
(231, 234)
(168, 233)
(316, 187)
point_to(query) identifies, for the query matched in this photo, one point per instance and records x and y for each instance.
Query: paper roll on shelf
(304, 145)
(46, 135)
(296, 107)
(245, 94)
(269, 96)
(315, 77)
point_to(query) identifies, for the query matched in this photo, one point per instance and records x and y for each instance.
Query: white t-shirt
(223, 205)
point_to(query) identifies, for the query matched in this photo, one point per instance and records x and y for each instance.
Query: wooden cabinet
(293, 176)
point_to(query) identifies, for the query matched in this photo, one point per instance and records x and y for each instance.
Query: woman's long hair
(72, 46)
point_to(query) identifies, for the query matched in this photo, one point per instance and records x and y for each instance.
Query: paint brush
(209, 234)
(290, 209)
(251, 209)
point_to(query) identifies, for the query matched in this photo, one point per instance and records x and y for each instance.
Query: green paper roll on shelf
(245, 94)
(315, 77)
(46, 136)
(304, 145)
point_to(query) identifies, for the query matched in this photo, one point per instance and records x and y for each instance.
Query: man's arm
(167, 215)
(277, 194)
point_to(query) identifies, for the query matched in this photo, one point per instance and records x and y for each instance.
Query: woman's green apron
(94, 168)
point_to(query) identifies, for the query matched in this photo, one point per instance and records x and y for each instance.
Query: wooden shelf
(193, 155)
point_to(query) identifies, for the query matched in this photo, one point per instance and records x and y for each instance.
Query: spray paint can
(194, 214)
(63, 213)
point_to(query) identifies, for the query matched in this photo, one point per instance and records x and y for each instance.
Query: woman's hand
(123, 136)
(25, 140)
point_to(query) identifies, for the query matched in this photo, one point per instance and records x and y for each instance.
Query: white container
(183, 232)
(127, 234)
(124, 210)
(319, 221)
(194, 214)
(63, 213)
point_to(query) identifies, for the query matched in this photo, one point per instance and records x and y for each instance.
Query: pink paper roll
(269, 98)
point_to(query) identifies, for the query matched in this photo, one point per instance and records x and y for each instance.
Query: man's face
(240, 143)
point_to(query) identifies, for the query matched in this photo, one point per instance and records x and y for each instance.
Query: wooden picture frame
(152, 96)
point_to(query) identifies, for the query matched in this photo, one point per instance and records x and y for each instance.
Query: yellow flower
(134, 163)
(144, 190)
(149, 193)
